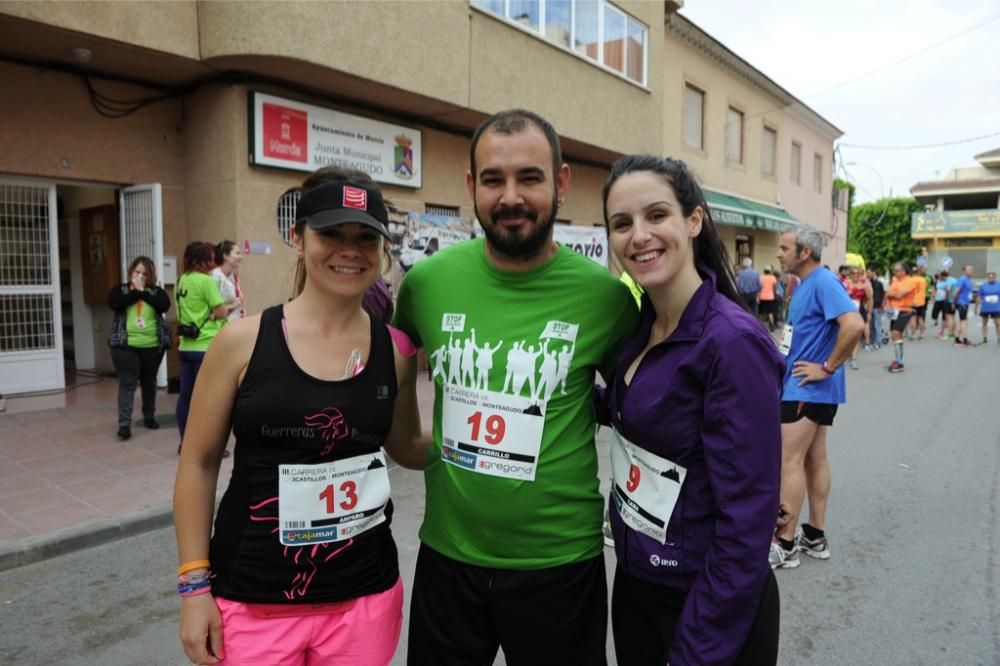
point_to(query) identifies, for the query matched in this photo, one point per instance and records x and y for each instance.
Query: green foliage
(880, 232)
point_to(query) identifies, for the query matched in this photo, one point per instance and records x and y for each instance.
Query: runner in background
(859, 290)
(918, 322)
(878, 303)
(989, 304)
(768, 299)
(963, 298)
(900, 297)
(943, 296)
(823, 326)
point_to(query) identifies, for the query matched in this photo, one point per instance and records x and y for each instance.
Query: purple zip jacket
(706, 398)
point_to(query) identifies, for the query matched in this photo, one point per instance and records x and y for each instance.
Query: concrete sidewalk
(67, 482)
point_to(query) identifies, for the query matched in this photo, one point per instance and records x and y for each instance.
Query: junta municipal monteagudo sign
(293, 135)
(944, 223)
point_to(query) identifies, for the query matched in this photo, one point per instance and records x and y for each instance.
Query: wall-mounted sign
(292, 135)
(942, 223)
(591, 242)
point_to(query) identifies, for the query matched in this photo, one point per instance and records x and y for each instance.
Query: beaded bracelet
(189, 585)
(197, 591)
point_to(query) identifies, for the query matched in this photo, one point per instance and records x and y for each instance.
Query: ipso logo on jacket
(656, 561)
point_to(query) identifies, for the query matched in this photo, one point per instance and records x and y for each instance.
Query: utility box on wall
(100, 247)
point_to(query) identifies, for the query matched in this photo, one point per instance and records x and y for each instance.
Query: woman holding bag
(139, 336)
(201, 314)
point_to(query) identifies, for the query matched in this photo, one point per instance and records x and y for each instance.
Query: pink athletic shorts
(364, 632)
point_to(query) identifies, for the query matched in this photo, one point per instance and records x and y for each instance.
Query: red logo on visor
(355, 197)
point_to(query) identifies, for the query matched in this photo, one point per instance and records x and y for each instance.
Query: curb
(67, 540)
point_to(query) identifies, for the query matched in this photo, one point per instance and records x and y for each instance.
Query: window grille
(286, 214)
(25, 243)
(446, 211)
(26, 322)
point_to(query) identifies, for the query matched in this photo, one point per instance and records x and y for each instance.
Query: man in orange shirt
(919, 320)
(900, 297)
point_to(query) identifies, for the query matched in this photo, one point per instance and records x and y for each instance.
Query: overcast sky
(945, 93)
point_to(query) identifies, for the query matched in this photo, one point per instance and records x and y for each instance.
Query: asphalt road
(913, 526)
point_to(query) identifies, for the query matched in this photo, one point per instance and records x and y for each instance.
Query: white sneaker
(779, 558)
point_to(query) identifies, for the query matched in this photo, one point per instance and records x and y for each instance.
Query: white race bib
(332, 501)
(491, 433)
(140, 323)
(785, 343)
(645, 487)
(857, 305)
(991, 298)
(939, 295)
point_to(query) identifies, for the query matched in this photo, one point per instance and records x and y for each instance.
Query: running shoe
(984, 341)
(854, 364)
(896, 366)
(818, 548)
(779, 558)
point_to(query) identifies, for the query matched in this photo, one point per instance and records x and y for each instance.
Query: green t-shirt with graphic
(512, 474)
(197, 294)
(147, 336)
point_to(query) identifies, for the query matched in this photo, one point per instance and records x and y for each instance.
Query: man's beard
(518, 245)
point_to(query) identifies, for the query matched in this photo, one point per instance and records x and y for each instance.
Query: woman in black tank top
(312, 391)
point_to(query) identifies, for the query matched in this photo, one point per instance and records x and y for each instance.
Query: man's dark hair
(514, 121)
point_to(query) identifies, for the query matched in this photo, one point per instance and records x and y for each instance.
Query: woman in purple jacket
(696, 450)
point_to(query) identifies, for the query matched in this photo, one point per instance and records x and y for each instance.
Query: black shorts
(899, 323)
(819, 413)
(644, 617)
(769, 307)
(989, 315)
(461, 613)
(920, 311)
(941, 307)
(963, 311)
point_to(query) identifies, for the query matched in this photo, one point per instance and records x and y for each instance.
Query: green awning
(737, 212)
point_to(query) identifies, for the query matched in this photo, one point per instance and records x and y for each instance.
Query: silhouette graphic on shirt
(467, 362)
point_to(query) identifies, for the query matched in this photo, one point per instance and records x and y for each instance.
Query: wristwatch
(827, 369)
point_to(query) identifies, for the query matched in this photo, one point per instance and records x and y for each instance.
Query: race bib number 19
(491, 433)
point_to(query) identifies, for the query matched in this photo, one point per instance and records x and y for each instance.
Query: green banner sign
(944, 223)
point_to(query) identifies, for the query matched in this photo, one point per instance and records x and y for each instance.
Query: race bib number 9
(645, 487)
(333, 501)
(491, 433)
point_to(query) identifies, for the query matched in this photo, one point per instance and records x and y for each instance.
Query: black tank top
(283, 416)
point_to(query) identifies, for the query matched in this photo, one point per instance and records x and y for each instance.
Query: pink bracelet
(198, 592)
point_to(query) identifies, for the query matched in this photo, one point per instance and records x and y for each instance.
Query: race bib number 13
(333, 501)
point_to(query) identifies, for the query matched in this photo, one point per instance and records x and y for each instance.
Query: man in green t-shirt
(515, 327)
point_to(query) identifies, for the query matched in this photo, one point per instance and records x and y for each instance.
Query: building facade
(764, 159)
(136, 128)
(960, 224)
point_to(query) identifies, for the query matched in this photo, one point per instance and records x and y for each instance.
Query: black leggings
(643, 617)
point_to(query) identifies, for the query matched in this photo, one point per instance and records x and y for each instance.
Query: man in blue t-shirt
(822, 328)
(989, 304)
(963, 296)
(748, 284)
